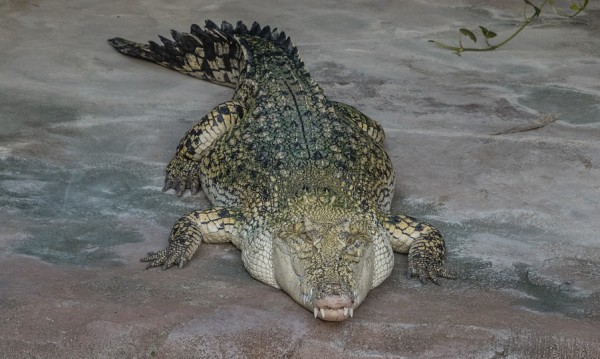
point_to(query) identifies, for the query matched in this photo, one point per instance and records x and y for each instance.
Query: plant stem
(528, 19)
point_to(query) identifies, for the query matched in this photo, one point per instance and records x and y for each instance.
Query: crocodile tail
(211, 53)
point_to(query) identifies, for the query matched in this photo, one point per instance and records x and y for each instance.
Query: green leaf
(537, 9)
(487, 33)
(468, 33)
(575, 7)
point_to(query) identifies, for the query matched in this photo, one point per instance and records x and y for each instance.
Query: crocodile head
(325, 262)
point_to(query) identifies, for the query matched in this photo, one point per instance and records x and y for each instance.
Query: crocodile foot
(184, 240)
(176, 253)
(182, 174)
(429, 272)
(426, 259)
(165, 259)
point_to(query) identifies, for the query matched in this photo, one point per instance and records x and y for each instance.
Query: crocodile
(301, 184)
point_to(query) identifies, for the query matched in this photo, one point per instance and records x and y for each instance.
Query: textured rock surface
(85, 135)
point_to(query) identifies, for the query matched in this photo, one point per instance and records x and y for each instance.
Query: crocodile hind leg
(216, 225)
(423, 243)
(183, 169)
(364, 122)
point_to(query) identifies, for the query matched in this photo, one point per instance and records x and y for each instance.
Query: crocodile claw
(180, 189)
(182, 174)
(426, 259)
(166, 258)
(427, 273)
(155, 259)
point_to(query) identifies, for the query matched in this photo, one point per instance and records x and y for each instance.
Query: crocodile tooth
(351, 312)
(315, 311)
(322, 313)
(345, 311)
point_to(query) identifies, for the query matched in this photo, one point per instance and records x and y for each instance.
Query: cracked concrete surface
(86, 133)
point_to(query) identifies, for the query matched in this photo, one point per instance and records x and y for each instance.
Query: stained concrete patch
(575, 107)
(25, 111)
(236, 332)
(73, 216)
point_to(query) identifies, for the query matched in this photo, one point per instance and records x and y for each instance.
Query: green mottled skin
(300, 184)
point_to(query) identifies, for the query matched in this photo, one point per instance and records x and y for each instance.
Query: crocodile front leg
(217, 225)
(183, 170)
(423, 243)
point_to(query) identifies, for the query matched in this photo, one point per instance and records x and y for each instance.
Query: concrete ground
(85, 134)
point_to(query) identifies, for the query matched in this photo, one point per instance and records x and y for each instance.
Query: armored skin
(300, 184)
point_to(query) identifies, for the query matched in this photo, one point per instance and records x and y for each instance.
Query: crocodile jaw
(326, 300)
(334, 308)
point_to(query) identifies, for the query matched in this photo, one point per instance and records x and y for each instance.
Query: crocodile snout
(334, 307)
(334, 303)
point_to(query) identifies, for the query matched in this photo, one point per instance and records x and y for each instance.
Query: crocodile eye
(302, 241)
(345, 235)
(312, 234)
(356, 245)
(359, 242)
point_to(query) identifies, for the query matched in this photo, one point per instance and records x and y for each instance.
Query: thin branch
(544, 120)
(527, 19)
